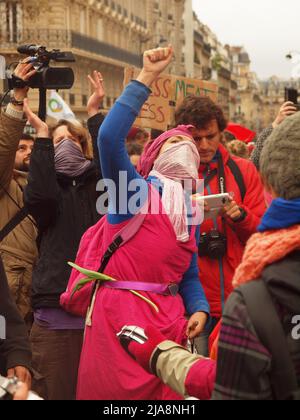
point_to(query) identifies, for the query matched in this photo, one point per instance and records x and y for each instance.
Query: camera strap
(13, 223)
(16, 83)
(221, 171)
(17, 218)
(210, 177)
(236, 172)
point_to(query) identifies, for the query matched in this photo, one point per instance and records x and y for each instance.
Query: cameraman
(18, 249)
(223, 239)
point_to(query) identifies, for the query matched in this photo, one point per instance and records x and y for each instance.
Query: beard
(23, 166)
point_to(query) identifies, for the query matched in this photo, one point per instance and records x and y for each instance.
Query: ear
(268, 188)
(190, 128)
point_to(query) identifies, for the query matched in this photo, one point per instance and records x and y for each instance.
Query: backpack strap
(236, 172)
(238, 176)
(120, 239)
(270, 332)
(13, 223)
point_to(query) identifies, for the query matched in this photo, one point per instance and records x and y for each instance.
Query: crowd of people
(77, 276)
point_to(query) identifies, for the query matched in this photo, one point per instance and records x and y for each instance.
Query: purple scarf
(69, 159)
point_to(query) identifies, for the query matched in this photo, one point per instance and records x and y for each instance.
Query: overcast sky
(268, 29)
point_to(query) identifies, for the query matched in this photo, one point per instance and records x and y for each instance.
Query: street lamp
(290, 55)
(294, 57)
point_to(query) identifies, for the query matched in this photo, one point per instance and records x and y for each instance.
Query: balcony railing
(207, 49)
(224, 73)
(198, 38)
(61, 39)
(92, 45)
(51, 38)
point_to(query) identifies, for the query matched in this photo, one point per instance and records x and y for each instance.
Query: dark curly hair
(199, 111)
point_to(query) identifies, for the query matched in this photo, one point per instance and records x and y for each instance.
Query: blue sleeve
(113, 154)
(191, 289)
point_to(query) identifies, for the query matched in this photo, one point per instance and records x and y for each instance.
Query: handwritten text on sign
(167, 93)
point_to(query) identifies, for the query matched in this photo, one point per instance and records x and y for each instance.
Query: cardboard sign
(167, 94)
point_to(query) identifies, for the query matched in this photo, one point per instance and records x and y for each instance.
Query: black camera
(292, 95)
(212, 245)
(46, 77)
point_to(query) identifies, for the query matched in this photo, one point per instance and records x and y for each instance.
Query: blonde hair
(238, 148)
(79, 132)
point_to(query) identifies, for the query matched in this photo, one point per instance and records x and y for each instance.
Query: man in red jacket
(223, 239)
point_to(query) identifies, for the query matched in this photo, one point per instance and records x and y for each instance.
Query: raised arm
(41, 195)
(111, 142)
(95, 117)
(11, 129)
(12, 124)
(287, 109)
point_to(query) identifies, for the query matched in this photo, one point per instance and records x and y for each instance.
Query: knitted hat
(280, 159)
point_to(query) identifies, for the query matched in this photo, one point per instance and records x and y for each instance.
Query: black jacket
(64, 208)
(283, 280)
(15, 350)
(244, 363)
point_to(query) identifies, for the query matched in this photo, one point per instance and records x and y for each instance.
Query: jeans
(201, 342)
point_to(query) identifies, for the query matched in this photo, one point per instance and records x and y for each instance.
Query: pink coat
(153, 255)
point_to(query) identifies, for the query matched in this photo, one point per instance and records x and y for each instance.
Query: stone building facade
(273, 96)
(212, 61)
(104, 35)
(249, 104)
(108, 35)
(258, 101)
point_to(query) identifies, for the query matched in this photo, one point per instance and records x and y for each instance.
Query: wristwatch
(242, 216)
(14, 101)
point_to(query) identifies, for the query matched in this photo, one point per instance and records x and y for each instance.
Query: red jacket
(210, 271)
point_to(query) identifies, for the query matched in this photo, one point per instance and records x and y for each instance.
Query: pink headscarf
(152, 149)
(173, 197)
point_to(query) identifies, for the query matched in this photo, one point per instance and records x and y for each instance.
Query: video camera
(292, 95)
(46, 77)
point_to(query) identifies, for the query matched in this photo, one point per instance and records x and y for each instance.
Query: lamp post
(294, 56)
(291, 55)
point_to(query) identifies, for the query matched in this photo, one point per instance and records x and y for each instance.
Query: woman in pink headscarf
(159, 261)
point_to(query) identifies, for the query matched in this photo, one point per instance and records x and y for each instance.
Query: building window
(72, 99)
(84, 100)
(11, 21)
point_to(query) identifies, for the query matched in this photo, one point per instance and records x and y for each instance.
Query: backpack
(270, 332)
